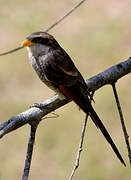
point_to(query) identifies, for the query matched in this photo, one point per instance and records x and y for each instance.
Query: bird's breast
(38, 66)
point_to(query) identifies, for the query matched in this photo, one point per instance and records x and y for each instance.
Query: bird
(57, 70)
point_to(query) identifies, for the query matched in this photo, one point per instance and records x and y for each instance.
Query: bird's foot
(37, 105)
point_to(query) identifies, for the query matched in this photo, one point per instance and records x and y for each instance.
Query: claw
(37, 105)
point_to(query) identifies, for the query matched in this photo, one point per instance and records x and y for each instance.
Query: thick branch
(109, 76)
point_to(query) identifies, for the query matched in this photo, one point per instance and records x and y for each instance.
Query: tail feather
(107, 136)
(74, 93)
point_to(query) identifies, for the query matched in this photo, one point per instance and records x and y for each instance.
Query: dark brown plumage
(56, 69)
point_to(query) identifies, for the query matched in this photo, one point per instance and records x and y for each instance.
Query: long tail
(101, 126)
(74, 93)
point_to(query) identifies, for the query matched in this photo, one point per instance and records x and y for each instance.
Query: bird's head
(39, 42)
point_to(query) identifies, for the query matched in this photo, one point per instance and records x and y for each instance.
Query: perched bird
(56, 69)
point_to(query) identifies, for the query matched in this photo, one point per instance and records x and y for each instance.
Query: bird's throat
(37, 50)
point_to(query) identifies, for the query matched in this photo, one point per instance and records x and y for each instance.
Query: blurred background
(96, 36)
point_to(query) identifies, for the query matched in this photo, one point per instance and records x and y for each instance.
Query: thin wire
(49, 28)
(11, 51)
(68, 13)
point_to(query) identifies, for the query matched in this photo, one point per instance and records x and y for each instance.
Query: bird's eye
(37, 40)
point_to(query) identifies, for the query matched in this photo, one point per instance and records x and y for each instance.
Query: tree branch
(109, 76)
(122, 121)
(29, 150)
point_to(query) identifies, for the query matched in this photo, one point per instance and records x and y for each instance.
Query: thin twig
(63, 17)
(50, 117)
(29, 150)
(122, 121)
(79, 149)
